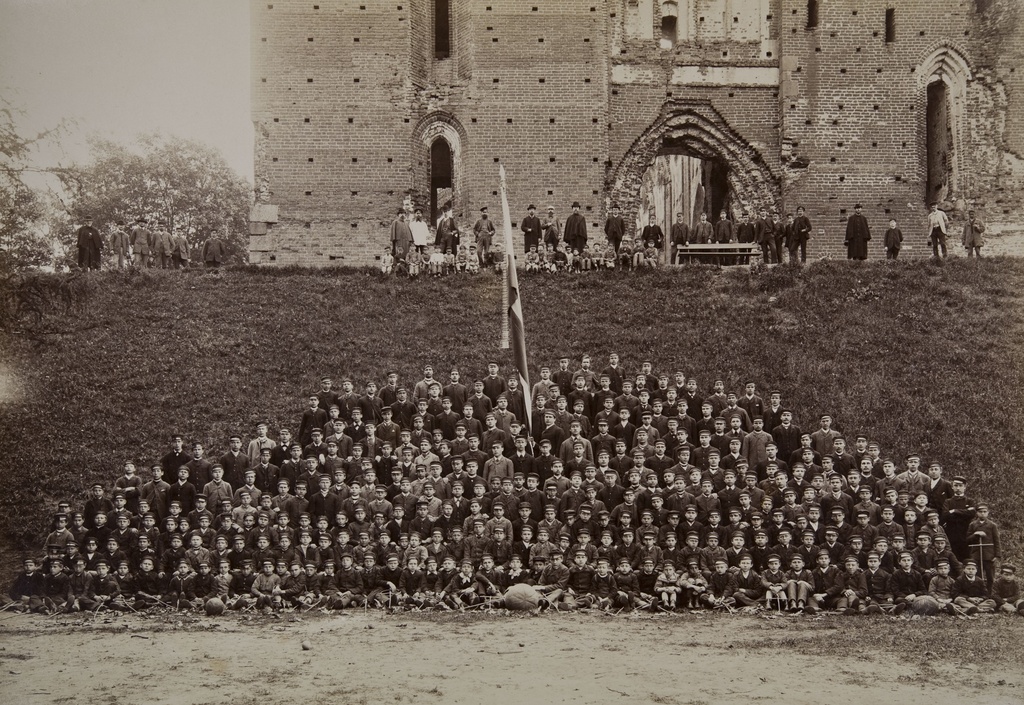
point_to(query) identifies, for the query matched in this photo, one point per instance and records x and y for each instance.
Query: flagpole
(506, 224)
(512, 324)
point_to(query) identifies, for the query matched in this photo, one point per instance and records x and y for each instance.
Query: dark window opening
(442, 29)
(812, 14)
(890, 25)
(441, 181)
(669, 29)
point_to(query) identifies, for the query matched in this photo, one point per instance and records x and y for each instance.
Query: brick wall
(347, 94)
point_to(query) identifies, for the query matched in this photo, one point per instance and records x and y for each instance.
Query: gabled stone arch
(702, 132)
(431, 127)
(947, 62)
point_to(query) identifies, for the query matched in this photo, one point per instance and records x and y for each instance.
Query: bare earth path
(480, 658)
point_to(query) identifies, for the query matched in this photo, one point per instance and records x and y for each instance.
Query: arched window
(669, 24)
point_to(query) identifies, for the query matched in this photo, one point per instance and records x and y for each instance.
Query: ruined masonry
(682, 106)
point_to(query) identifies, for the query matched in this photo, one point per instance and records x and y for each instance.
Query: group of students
(645, 495)
(142, 247)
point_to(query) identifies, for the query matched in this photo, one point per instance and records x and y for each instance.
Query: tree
(183, 181)
(24, 240)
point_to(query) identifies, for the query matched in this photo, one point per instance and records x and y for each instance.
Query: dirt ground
(508, 658)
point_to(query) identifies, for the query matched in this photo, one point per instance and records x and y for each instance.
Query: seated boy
(970, 593)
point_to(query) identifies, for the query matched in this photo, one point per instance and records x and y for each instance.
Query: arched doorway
(439, 141)
(943, 78)
(441, 182)
(690, 161)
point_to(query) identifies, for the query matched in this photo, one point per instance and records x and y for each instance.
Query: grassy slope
(919, 356)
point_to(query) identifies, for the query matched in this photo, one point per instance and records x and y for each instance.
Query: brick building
(660, 106)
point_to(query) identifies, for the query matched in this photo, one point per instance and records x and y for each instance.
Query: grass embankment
(919, 356)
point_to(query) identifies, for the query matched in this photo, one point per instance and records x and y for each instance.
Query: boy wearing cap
(721, 586)
(749, 590)
(827, 585)
(773, 582)
(80, 594)
(853, 585)
(906, 584)
(878, 598)
(553, 580)
(179, 593)
(605, 588)
(579, 589)
(1006, 590)
(983, 541)
(940, 589)
(799, 584)
(460, 591)
(957, 513)
(265, 588)
(970, 593)
(28, 589)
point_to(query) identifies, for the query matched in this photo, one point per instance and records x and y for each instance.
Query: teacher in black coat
(857, 235)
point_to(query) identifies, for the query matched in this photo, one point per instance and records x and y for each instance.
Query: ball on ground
(522, 597)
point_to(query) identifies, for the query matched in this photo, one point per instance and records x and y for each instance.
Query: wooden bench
(721, 252)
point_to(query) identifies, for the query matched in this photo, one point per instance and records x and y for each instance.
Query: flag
(517, 333)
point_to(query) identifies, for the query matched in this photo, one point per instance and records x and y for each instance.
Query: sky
(119, 68)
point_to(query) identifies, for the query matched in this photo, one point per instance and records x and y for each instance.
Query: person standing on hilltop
(973, 235)
(764, 235)
(938, 226)
(531, 228)
(401, 236)
(181, 252)
(858, 234)
(483, 229)
(90, 245)
(447, 235)
(213, 250)
(420, 231)
(162, 245)
(801, 233)
(552, 228)
(576, 229)
(652, 232)
(723, 233)
(615, 228)
(680, 237)
(119, 244)
(140, 243)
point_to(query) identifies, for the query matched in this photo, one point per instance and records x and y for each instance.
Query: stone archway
(697, 130)
(942, 79)
(434, 131)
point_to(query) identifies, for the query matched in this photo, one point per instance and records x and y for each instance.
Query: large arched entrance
(690, 161)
